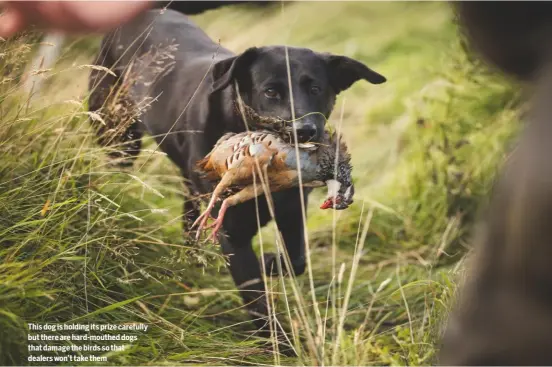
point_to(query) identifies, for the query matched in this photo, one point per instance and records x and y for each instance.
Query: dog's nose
(309, 128)
(307, 133)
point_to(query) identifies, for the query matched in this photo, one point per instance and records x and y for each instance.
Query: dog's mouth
(302, 138)
(279, 126)
(255, 121)
(276, 125)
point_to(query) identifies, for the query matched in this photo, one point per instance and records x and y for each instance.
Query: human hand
(68, 16)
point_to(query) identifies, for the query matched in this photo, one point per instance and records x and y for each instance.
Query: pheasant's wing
(256, 147)
(205, 165)
(225, 140)
(248, 154)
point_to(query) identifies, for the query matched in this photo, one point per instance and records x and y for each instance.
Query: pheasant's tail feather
(205, 169)
(203, 164)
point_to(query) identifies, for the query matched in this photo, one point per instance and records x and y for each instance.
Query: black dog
(196, 106)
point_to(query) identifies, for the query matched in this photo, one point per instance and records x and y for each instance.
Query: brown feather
(203, 164)
(205, 168)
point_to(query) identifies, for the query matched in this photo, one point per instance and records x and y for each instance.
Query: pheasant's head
(339, 196)
(338, 178)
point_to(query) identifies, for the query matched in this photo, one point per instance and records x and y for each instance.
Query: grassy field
(83, 242)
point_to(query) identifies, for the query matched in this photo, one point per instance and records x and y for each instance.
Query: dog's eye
(271, 93)
(315, 90)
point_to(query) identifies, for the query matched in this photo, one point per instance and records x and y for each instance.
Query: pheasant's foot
(201, 220)
(218, 222)
(198, 219)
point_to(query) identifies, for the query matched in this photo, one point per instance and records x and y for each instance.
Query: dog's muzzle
(310, 128)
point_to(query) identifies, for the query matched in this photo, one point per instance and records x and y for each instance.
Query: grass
(82, 241)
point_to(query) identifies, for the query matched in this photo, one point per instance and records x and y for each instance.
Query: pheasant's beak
(335, 198)
(329, 203)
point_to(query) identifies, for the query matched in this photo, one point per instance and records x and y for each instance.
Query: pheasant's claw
(198, 233)
(217, 224)
(202, 220)
(201, 228)
(199, 219)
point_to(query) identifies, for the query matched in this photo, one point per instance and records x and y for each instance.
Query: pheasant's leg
(218, 222)
(249, 192)
(202, 219)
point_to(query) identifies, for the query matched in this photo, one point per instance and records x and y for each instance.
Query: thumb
(11, 22)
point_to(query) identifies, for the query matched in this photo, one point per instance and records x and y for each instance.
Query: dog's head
(316, 80)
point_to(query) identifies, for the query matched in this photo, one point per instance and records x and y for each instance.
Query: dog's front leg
(239, 227)
(289, 219)
(246, 273)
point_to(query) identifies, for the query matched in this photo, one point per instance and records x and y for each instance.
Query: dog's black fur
(504, 316)
(195, 107)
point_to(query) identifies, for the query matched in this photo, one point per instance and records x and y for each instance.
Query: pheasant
(233, 161)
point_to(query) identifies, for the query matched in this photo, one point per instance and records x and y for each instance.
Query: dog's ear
(225, 71)
(344, 72)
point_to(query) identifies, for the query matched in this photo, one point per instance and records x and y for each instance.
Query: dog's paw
(270, 264)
